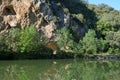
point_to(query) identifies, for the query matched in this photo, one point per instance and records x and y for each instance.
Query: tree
(113, 38)
(29, 39)
(103, 28)
(89, 43)
(65, 40)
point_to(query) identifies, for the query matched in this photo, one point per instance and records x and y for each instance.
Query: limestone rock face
(21, 13)
(46, 16)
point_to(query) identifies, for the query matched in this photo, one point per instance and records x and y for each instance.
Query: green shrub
(103, 28)
(29, 39)
(21, 40)
(113, 39)
(10, 40)
(89, 43)
(101, 45)
(65, 40)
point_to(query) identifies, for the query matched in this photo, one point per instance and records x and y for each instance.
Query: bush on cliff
(25, 40)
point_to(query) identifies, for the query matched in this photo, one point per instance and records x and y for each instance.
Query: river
(59, 70)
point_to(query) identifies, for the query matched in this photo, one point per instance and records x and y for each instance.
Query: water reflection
(59, 70)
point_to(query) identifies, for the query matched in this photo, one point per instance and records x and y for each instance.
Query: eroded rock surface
(21, 13)
(45, 15)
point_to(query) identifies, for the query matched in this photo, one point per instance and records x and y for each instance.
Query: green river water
(59, 70)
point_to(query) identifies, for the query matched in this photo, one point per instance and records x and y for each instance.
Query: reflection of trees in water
(89, 70)
(79, 70)
(114, 75)
(12, 73)
(95, 70)
(51, 73)
(54, 71)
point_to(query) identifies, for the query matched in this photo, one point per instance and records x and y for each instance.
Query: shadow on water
(59, 70)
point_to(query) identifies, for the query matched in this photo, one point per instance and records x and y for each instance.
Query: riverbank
(35, 55)
(62, 55)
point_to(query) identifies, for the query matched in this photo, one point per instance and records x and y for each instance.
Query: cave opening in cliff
(9, 10)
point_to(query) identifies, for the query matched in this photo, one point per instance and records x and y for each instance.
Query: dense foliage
(25, 41)
(104, 24)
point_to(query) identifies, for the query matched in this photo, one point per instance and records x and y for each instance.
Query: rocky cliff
(46, 15)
